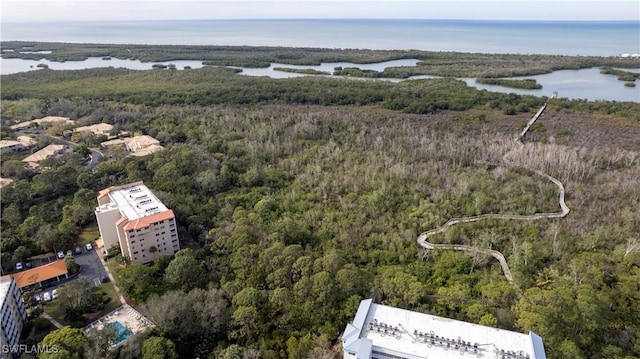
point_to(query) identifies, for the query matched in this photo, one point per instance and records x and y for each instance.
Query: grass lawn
(54, 309)
(89, 234)
(114, 303)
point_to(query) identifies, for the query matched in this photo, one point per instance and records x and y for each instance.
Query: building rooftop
(5, 283)
(8, 143)
(5, 181)
(44, 153)
(41, 273)
(26, 141)
(415, 335)
(40, 121)
(98, 128)
(137, 203)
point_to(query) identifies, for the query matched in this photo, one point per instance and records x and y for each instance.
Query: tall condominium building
(14, 316)
(383, 332)
(132, 216)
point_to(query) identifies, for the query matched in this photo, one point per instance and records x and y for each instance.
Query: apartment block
(134, 218)
(14, 316)
(382, 332)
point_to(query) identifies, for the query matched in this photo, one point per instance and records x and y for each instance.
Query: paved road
(96, 156)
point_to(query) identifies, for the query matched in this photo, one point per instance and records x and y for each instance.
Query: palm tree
(153, 250)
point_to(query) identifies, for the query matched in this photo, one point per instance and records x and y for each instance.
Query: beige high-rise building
(134, 218)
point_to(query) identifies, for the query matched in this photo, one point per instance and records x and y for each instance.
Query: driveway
(92, 268)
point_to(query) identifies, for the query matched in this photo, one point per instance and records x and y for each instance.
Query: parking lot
(91, 268)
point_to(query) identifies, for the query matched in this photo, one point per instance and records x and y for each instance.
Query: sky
(75, 10)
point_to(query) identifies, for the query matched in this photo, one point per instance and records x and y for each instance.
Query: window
(136, 252)
(132, 242)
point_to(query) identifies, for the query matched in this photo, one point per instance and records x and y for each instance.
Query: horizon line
(327, 19)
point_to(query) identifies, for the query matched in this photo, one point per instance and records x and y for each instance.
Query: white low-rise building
(137, 146)
(50, 151)
(382, 332)
(49, 119)
(10, 146)
(97, 129)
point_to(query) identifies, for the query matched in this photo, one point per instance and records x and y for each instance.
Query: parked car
(70, 253)
(88, 246)
(46, 296)
(19, 266)
(54, 293)
(37, 297)
(78, 250)
(27, 264)
(61, 254)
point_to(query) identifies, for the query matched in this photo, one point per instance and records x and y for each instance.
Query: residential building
(10, 146)
(26, 141)
(50, 151)
(134, 218)
(49, 119)
(97, 129)
(48, 273)
(137, 146)
(381, 332)
(14, 317)
(5, 181)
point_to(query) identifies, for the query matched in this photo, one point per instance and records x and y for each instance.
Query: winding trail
(423, 237)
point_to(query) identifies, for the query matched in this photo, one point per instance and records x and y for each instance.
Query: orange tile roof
(148, 220)
(104, 192)
(39, 274)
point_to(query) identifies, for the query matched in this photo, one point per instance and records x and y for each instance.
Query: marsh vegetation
(297, 198)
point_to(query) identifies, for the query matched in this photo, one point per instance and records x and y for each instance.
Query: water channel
(586, 84)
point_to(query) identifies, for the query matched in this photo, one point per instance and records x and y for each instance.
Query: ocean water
(519, 37)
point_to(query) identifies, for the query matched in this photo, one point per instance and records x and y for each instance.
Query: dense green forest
(297, 198)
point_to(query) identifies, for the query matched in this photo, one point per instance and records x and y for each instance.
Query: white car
(19, 266)
(61, 254)
(37, 297)
(46, 296)
(54, 293)
(88, 246)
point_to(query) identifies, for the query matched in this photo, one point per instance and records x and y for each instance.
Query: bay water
(596, 38)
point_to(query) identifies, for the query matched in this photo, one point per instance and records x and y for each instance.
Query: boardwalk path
(424, 237)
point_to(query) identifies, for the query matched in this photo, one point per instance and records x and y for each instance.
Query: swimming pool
(122, 333)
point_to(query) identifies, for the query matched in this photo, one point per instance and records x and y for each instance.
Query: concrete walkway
(50, 318)
(106, 268)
